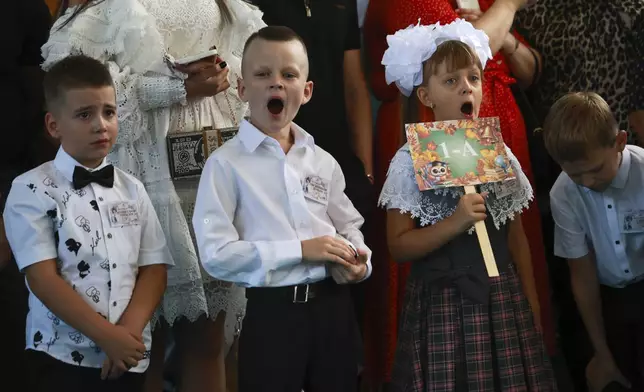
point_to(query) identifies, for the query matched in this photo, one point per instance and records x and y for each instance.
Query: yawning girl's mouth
(467, 109)
(275, 106)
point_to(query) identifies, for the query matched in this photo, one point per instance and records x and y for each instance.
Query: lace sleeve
(160, 92)
(136, 94)
(123, 36)
(506, 200)
(401, 192)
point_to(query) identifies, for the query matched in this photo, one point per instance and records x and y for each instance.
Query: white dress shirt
(609, 223)
(256, 204)
(46, 218)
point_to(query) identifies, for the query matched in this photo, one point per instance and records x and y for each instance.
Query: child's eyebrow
(591, 170)
(83, 109)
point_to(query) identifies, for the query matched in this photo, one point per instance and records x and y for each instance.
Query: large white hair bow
(411, 47)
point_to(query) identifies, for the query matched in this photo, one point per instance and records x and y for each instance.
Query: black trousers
(290, 347)
(623, 311)
(51, 375)
(13, 316)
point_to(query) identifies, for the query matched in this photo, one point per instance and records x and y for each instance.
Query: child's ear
(620, 140)
(52, 125)
(423, 96)
(308, 92)
(241, 89)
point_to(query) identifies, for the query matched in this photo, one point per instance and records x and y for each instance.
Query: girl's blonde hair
(455, 55)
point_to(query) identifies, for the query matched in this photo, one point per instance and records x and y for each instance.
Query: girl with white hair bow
(461, 330)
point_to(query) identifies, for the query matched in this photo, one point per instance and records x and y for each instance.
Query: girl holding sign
(461, 330)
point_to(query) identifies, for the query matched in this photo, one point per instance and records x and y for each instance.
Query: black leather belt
(298, 294)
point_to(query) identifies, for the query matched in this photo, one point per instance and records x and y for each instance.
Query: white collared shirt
(610, 223)
(256, 204)
(46, 219)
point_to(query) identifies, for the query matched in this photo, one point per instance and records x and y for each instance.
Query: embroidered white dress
(132, 37)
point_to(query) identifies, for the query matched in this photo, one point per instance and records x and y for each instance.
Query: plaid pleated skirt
(447, 343)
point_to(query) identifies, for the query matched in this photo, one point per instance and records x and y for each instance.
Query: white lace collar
(401, 192)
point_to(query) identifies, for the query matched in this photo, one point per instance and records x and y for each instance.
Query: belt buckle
(296, 300)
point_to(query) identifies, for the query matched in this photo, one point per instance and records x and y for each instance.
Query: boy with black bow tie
(89, 242)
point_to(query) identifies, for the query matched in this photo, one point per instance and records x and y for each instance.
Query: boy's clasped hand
(346, 265)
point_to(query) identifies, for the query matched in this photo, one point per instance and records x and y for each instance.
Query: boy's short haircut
(577, 124)
(74, 72)
(274, 34)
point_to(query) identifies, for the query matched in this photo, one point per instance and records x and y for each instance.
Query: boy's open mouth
(467, 108)
(275, 106)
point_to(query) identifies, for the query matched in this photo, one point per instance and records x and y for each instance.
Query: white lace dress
(132, 37)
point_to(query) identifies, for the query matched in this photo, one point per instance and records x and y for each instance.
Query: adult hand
(206, 78)
(469, 15)
(601, 371)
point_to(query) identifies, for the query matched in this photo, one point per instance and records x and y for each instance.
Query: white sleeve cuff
(571, 252)
(278, 254)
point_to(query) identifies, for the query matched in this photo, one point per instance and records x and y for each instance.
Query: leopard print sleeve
(637, 59)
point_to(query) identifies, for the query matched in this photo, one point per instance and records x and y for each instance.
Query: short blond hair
(577, 124)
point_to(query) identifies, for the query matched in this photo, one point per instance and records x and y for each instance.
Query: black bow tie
(103, 177)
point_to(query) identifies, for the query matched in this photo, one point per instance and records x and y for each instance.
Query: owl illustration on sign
(434, 173)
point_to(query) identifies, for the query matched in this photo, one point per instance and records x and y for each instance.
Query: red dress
(386, 17)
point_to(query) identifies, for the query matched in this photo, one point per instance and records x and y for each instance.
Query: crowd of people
(272, 268)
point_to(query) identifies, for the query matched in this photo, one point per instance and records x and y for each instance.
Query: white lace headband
(411, 47)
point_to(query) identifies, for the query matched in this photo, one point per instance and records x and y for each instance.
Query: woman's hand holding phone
(207, 77)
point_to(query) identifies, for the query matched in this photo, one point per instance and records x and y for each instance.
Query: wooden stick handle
(484, 242)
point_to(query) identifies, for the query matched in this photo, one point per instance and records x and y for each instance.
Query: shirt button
(109, 235)
(627, 271)
(610, 206)
(113, 265)
(114, 303)
(294, 191)
(617, 242)
(100, 199)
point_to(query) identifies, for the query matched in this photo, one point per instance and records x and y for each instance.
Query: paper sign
(458, 153)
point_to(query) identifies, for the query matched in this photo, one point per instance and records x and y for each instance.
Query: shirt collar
(622, 173)
(251, 137)
(66, 164)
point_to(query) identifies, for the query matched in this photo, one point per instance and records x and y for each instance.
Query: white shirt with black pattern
(46, 218)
